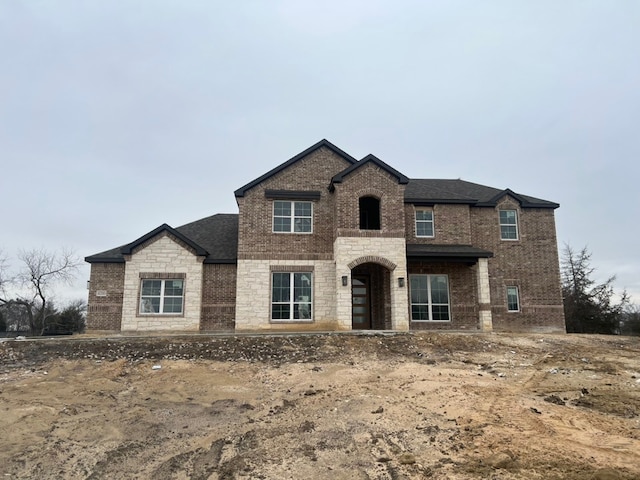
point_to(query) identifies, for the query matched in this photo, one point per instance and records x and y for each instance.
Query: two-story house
(325, 242)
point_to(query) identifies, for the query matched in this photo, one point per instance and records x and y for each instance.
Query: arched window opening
(369, 213)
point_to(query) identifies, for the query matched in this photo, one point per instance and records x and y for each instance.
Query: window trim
(517, 293)
(416, 221)
(502, 237)
(292, 217)
(162, 297)
(430, 304)
(292, 302)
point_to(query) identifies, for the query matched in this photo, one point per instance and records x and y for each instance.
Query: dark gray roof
(461, 191)
(215, 237)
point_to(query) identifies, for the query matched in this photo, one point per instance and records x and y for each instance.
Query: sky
(119, 116)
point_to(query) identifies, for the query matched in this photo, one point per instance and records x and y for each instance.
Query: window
(424, 223)
(369, 213)
(429, 298)
(291, 296)
(293, 217)
(508, 225)
(513, 299)
(162, 296)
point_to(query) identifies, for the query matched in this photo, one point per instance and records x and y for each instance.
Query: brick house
(327, 242)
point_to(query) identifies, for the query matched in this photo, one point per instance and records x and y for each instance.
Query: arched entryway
(371, 297)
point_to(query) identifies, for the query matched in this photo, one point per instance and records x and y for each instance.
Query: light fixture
(345, 280)
(401, 282)
(88, 284)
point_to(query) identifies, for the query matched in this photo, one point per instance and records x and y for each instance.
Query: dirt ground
(334, 406)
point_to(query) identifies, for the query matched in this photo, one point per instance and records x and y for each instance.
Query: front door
(360, 303)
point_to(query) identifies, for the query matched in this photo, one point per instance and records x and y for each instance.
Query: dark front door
(360, 303)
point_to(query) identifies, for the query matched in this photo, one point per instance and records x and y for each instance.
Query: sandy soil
(409, 406)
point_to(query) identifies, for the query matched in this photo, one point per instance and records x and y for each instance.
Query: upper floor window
(162, 296)
(508, 225)
(289, 216)
(424, 223)
(513, 299)
(369, 213)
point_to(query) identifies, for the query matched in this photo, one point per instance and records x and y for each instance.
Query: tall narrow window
(513, 299)
(369, 213)
(424, 223)
(292, 217)
(291, 295)
(161, 296)
(429, 298)
(508, 225)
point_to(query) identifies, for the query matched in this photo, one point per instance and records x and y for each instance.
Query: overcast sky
(117, 116)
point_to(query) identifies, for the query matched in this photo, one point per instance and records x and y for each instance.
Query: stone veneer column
(349, 249)
(484, 295)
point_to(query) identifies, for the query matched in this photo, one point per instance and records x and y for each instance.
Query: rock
(555, 399)
(406, 459)
(378, 410)
(383, 459)
(606, 474)
(499, 460)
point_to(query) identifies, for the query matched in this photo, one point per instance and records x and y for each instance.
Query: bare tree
(41, 270)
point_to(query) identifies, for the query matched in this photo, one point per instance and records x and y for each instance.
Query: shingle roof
(216, 237)
(461, 191)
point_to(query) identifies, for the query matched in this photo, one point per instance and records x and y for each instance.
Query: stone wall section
(106, 288)
(162, 255)
(218, 297)
(253, 304)
(349, 249)
(531, 263)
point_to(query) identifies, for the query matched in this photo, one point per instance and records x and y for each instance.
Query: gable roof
(215, 237)
(322, 143)
(430, 191)
(338, 178)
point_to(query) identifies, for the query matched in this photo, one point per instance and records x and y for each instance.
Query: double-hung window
(162, 296)
(292, 217)
(513, 299)
(508, 225)
(429, 298)
(424, 223)
(291, 296)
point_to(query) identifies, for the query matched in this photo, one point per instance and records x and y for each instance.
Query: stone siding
(106, 287)
(353, 251)
(162, 255)
(253, 299)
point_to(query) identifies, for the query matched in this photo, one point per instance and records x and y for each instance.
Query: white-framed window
(292, 217)
(430, 298)
(291, 296)
(424, 223)
(508, 225)
(513, 299)
(162, 296)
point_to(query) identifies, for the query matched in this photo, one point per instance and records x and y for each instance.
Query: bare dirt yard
(334, 406)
